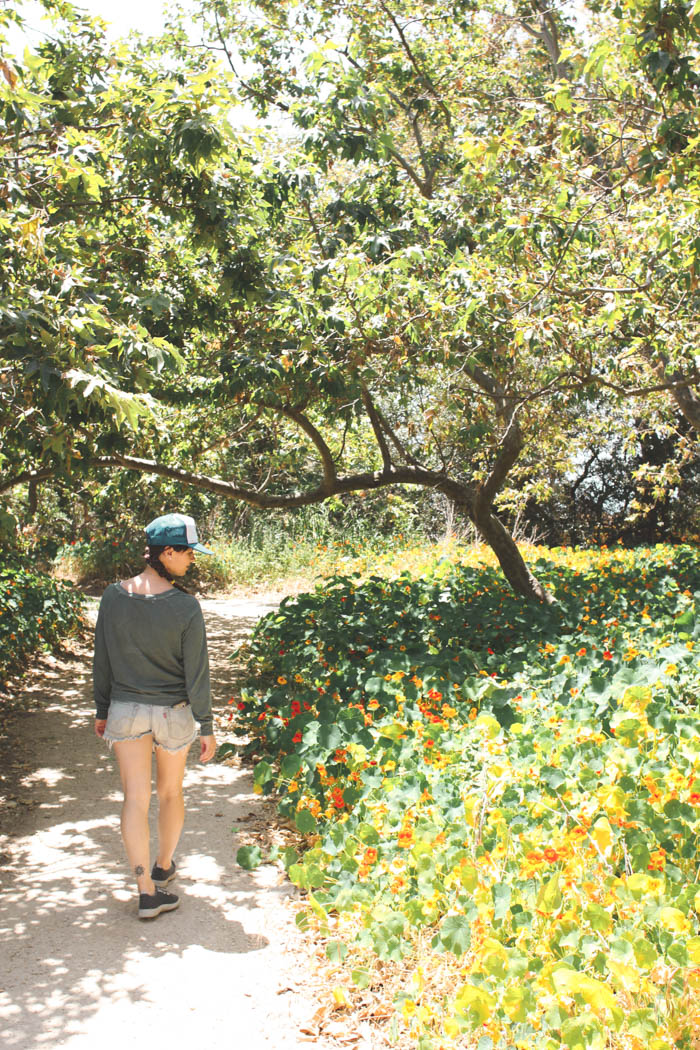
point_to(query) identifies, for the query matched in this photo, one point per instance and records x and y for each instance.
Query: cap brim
(200, 549)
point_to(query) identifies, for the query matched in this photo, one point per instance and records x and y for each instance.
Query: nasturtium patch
(541, 871)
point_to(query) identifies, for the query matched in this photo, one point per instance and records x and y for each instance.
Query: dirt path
(79, 970)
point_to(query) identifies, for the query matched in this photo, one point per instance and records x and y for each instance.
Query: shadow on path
(78, 967)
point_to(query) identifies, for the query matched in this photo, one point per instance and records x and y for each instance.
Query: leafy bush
(100, 560)
(501, 800)
(36, 612)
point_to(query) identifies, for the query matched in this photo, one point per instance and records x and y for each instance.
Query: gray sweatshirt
(152, 649)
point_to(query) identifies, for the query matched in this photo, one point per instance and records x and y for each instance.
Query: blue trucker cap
(174, 530)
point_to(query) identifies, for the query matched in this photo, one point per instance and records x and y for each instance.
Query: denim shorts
(173, 728)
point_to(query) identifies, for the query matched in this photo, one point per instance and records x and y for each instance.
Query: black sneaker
(161, 876)
(152, 904)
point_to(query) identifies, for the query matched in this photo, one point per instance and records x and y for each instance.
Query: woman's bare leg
(134, 758)
(170, 766)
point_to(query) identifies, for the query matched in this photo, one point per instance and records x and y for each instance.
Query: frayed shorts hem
(111, 741)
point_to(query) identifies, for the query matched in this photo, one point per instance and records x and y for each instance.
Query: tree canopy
(466, 245)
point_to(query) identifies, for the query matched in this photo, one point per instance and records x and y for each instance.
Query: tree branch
(246, 84)
(314, 226)
(511, 447)
(31, 477)
(377, 428)
(422, 74)
(547, 34)
(330, 476)
(424, 185)
(396, 441)
(562, 253)
(680, 389)
(351, 483)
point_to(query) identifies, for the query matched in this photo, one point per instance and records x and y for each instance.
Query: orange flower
(657, 860)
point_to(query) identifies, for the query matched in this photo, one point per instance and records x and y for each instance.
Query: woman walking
(151, 681)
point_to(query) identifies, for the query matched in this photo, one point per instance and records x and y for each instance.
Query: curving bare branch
(376, 427)
(329, 472)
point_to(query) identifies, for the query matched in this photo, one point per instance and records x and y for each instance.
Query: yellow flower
(282, 680)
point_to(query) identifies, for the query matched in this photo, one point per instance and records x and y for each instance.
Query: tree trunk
(510, 559)
(685, 397)
(499, 540)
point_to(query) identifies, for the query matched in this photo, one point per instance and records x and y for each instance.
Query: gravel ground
(79, 970)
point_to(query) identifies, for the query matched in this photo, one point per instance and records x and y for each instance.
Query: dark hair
(152, 555)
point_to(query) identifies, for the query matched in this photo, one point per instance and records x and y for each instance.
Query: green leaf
(368, 833)
(290, 766)
(306, 876)
(582, 1033)
(501, 899)
(562, 99)
(454, 935)
(289, 856)
(262, 773)
(249, 857)
(336, 951)
(227, 748)
(475, 1004)
(330, 737)
(306, 822)
(361, 978)
(549, 898)
(516, 1003)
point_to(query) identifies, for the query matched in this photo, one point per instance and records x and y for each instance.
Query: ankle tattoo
(139, 870)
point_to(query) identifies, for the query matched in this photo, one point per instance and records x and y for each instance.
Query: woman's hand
(100, 724)
(208, 748)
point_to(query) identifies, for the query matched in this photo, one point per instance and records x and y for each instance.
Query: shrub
(36, 613)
